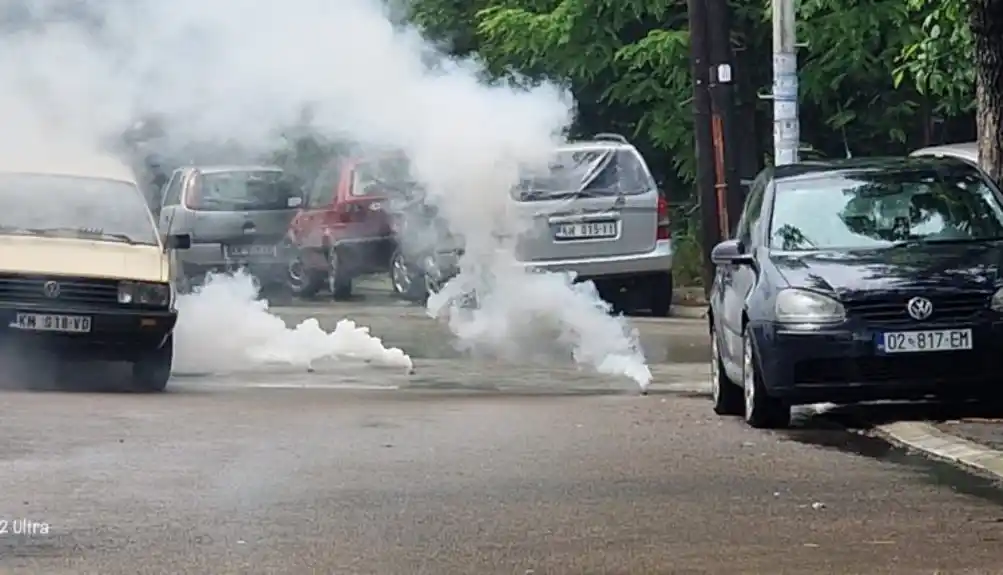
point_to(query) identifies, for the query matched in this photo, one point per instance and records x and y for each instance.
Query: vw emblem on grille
(51, 289)
(919, 308)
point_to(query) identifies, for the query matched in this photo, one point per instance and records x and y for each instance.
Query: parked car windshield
(241, 190)
(65, 206)
(588, 172)
(879, 209)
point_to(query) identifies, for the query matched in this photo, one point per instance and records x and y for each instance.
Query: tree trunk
(927, 115)
(986, 21)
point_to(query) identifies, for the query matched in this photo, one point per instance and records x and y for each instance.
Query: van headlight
(144, 293)
(996, 303)
(803, 306)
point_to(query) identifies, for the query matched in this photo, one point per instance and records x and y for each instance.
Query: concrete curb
(689, 311)
(941, 445)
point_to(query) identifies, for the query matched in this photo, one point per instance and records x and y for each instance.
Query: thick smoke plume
(77, 73)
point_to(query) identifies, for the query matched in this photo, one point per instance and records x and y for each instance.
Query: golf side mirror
(730, 252)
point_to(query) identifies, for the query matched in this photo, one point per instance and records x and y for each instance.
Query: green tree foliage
(451, 22)
(870, 69)
(846, 79)
(936, 57)
(626, 62)
(876, 75)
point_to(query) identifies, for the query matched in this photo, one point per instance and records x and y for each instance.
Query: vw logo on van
(51, 289)
(919, 308)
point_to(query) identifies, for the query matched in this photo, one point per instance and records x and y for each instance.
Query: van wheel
(338, 280)
(152, 371)
(302, 281)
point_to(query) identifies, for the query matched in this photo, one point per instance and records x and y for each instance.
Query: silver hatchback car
(967, 151)
(597, 212)
(237, 217)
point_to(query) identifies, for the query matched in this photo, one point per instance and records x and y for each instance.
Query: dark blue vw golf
(858, 280)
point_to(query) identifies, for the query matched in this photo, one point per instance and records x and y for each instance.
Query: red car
(342, 231)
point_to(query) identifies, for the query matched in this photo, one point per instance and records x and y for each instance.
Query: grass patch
(687, 260)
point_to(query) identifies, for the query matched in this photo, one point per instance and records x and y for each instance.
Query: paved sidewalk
(988, 432)
(975, 445)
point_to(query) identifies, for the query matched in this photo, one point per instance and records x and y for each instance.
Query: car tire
(726, 394)
(277, 293)
(613, 294)
(152, 371)
(660, 295)
(338, 281)
(761, 410)
(301, 281)
(407, 283)
(433, 285)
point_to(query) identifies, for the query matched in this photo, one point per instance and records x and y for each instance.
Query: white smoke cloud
(76, 73)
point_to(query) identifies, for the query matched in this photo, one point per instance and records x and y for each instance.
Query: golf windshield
(68, 206)
(244, 190)
(588, 172)
(876, 209)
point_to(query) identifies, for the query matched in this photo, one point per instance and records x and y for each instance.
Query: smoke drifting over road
(76, 73)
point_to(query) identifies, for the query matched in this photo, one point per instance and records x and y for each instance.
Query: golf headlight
(996, 303)
(802, 306)
(144, 293)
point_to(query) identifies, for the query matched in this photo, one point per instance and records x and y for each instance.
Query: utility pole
(786, 123)
(728, 189)
(710, 226)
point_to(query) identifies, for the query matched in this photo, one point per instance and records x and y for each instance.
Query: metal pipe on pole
(786, 120)
(722, 94)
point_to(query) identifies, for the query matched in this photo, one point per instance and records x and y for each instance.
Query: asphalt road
(466, 468)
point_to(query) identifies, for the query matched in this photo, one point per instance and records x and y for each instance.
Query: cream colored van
(84, 274)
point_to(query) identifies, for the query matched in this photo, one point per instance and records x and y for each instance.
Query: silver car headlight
(996, 303)
(144, 293)
(803, 306)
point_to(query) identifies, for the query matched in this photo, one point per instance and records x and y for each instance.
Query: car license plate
(585, 231)
(52, 322)
(926, 340)
(251, 251)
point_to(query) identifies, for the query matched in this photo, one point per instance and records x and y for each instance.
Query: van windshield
(244, 190)
(70, 206)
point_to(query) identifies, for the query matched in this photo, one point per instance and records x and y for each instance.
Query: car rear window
(590, 172)
(874, 209)
(244, 191)
(382, 177)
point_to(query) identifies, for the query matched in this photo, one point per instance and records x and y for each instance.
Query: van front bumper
(114, 335)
